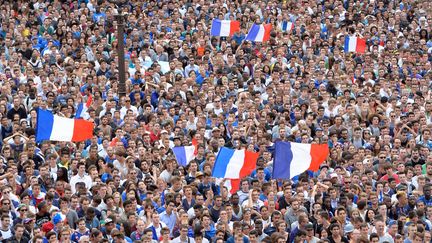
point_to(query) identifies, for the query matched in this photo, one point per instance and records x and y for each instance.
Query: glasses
(127, 101)
(6, 203)
(23, 210)
(6, 192)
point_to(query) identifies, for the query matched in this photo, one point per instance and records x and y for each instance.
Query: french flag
(83, 108)
(56, 128)
(286, 26)
(234, 164)
(259, 33)
(355, 44)
(185, 154)
(292, 159)
(233, 185)
(224, 27)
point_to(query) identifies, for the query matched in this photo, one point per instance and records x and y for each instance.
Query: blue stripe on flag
(253, 32)
(216, 27)
(284, 25)
(79, 110)
(346, 46)
(180, 155)
(44, 126)
(282, 160)
(222, 160)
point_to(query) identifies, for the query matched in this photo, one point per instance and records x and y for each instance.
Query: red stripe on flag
(267, 30)
(319, 153)
(195, 144)
(249, 163)
(361, 45)
(235, 185)
(89, 101)
(83, 130)
(234, 27)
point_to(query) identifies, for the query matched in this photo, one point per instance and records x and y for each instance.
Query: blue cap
(57, 218)
(392, 222)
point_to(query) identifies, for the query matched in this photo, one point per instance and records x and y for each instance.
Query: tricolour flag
(233, 185)
(56, 128)
(185, 154)
(292, 159)
(286, 26)
(234, 164)
(259, 33)
(83, 108)
(355, 44)
(224, 27)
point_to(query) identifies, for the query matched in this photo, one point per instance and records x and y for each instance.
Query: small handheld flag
(292, 159)
(56, 128)
(355, 44)
(234, 164)
(259, 33)
(224, 27)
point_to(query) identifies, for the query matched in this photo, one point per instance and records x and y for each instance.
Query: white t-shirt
(178, 240)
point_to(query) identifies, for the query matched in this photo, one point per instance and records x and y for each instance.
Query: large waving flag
(224, 27)
(56, 128)
(83, 108)
(234, 164)
(259, 33)
(292, 159)
(185, 154)
(355, 44)
(233, 185)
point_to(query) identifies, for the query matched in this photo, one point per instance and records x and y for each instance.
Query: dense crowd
(373, 109)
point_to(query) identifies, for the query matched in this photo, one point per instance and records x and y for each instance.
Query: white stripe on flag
(260, 35)
(352, 44)
(63, 129)
(301, 158)
(189, 152)
(289, 27)
(225, 28)
(235, 164)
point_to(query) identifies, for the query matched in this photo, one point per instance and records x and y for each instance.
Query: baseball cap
(21, 206)
(392, 222)
(47, 227)
(57, 218)
(349, 228)
(108, 220)
(27, 220)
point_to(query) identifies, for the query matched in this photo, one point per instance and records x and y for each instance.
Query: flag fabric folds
(259, 33)
(286, 26)
(234, 164)
(83, 108)
(224, 27)
(292, 159)
(185, 154)
(355, 44)
(56, 128)
(233, 185)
